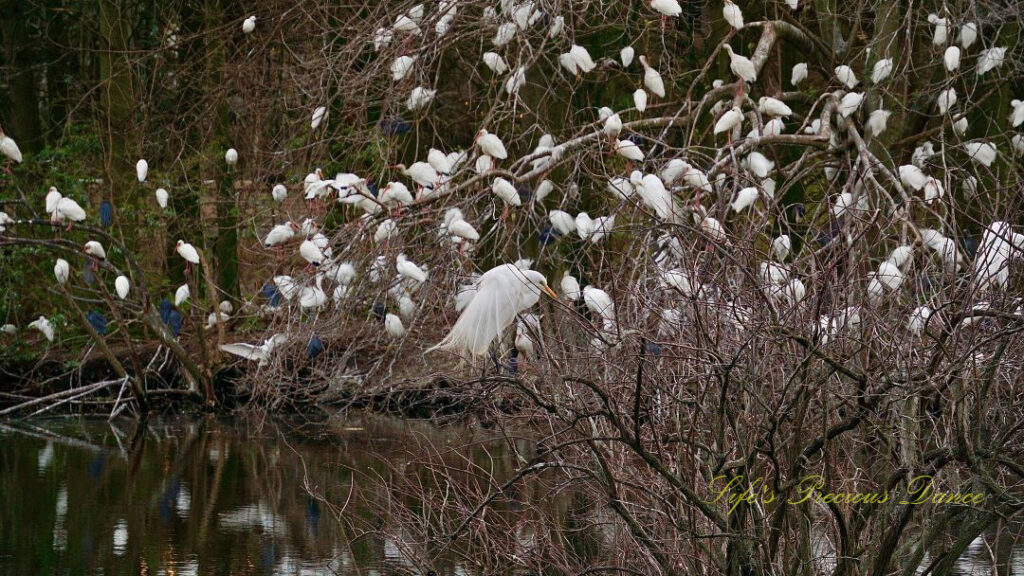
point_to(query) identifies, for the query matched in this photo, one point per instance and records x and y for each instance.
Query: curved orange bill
(549, 291)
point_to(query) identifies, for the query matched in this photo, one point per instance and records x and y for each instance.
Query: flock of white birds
(495, 299)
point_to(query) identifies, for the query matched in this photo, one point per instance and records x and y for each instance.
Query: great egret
(652, 79)
(9, 147)
(43, 326)
(741, 66)
(881, 70)
(261, 353)
(501, 293)
(121, 287)
(248, 25)
(799, 74)
(62, 270)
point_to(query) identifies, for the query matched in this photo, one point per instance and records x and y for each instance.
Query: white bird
(759, 165)
(231, 157)
(9, 147)
(395, 193)
(318, 117)
(381, 38)
(248, 25)
(922, 154)
(613, 126)
(577, 59)
(912, 177)
(462, 229)
(877, 122)
(654, 194)
(968, 34)
(799, 74)
(960, 125)
(782, 246)
(52, 197)
(279, 192)
(652, 79)
(280, 234)
(122, 286)
(516, 80)
(5, 220)
(666, 7)
(557, 24)
(562, 222)
(181, 294)
(999, 244)
(850, 103)
(640, 99)
(774, 107)
(729, 120)
(933, 190)
(9, 329)
(491, 145)
(495, 62)
(951, 58)
(401, 67)
(845, 75)
(393, 326)
(946, 100)
(95, 249)
(141, 170)
(62, 270)
(944, 246)
(990, 59)
(405, 24)
(67, 210)
(918, 320)
(187, 251)
(543, 189)
(420, 98)
(260, 353)
(570, 286)
(732, 14)
(741, 66)
(1017, 113)
(43, 326)
(881, 70)
(941, 29)
(408, 269)
(982, 152)
(744, 198)
(504, 189)
(422, 173)
(311, 253)
(439, 161)
(385, 231)
(628, 150)
(312, 297)
(714, 229)
(599, 302)
(286, 286)
(501, 294)
(161, 198)
(528, 325)
(626, 56)
(601, 227)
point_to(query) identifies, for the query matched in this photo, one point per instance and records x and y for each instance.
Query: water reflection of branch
(50, 436)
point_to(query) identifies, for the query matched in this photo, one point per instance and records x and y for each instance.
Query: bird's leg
(664, 23)
(504, 213)
(70, 224)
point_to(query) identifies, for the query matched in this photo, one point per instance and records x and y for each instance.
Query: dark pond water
(184, 497)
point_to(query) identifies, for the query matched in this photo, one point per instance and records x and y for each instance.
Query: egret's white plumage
(491, 145)
(43, 326)
(261, 353)
(504, 189)
(774, 107)
(666, 7)
(729, 120)
(732, 14)
(409, 269)
(501, 293)
(951, 58)
(62, 270)
(187, 251)
(983, 153)
(141, 170)
(845, 75)
(181, 294)
(990, 59)
(799, 74)
(629, 150)
(640, 99)
(881, 70)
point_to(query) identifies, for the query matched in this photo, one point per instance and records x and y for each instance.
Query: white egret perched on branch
(501, 293)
